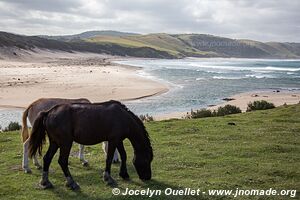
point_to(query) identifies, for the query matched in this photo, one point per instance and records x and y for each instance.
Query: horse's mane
(138, 121)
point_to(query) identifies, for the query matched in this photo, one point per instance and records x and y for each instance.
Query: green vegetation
(13, 126)
(222, 111)
(160, 41)
(259, 105)
(228, 110)
(201, 45)
(146, 118)
(200, 114)
(260, 152)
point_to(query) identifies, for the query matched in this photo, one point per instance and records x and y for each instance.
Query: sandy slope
(28, 77)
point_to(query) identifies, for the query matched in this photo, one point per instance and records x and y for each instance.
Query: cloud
(263, 20)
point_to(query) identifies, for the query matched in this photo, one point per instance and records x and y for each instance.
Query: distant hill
(201, 45)
(32, 42)
(87, 34)
(159, 45)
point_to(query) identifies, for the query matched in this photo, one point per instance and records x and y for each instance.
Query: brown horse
(32, 112)
(91, 124)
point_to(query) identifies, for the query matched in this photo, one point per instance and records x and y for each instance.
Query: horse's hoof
(111, 181)
(125, 176)
(85, 163)
(27, 171)
(108, 179)
(73, 186)
(45, 185)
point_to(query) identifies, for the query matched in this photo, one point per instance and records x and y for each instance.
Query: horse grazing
(91, 124)
(32, 112)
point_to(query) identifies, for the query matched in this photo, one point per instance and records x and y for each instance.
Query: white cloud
(263, 20)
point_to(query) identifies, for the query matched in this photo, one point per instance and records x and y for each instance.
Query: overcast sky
(263, 20)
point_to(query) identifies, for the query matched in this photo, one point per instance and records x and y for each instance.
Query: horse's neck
(138, 142)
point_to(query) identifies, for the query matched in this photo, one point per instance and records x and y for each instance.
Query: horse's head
(142, 163)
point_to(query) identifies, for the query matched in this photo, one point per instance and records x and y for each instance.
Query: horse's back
(88, 123)
(96, 123)
(45, 104)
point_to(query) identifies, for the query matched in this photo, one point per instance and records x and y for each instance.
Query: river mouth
(198, 83)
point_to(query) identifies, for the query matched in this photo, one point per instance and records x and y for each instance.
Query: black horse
(90, 124)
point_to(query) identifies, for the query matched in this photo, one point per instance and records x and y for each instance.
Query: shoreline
(277, 97)
(99, 78)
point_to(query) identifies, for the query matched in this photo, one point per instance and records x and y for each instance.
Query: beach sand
(277, 97)
(46, 74)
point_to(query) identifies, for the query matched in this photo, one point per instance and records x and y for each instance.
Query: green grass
(158, 41)
(261, 151)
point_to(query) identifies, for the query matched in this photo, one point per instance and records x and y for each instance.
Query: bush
(13, 126)
(199, 114)
(228, 110)
(146, 118)
(259, 105)
(222, 111)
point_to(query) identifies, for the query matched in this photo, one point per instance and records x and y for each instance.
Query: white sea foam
(242, 68)
(224, 77)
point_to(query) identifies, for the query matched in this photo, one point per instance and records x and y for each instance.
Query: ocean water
(197, 82)
(9, 115)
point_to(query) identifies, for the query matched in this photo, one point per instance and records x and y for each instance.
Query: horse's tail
(38, 135)
(25, 133)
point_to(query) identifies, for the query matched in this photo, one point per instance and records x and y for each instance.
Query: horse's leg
(84, 162)
(105, 149)
(123, 169)
(36, 162)
(109, 158)
(44, 182)
(25, 157)
(63, 162)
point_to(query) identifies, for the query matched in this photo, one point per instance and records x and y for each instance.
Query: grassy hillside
(86, 34)
(32, 42)
(260, 152)
(201, 45)
(158, 45)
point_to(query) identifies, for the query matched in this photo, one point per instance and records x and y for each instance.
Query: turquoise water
(197, 82)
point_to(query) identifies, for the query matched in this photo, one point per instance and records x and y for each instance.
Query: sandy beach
(277, 97)
(46, 74)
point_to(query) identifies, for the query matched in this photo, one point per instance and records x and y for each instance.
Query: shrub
(199, 114)
(259, 105)
(13, 126)
(222, 111)
(146, 118)
(228, 110)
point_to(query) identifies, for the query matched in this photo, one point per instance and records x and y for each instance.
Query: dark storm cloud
(263, 20)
